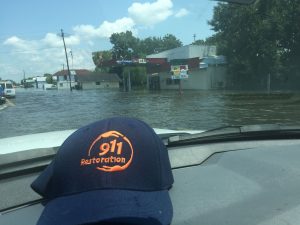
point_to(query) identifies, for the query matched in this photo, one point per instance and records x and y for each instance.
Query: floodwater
(35, 111)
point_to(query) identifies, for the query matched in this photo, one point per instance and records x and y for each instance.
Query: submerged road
(35, 111)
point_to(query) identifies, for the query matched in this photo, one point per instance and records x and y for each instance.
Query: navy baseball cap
(111, 170)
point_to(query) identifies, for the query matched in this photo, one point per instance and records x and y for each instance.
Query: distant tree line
(126, 46)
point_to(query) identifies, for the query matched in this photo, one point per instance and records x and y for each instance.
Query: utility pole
(180, 87)
(129, 81)
(72, 58)
(63, 38)
(194, 36)
(269, 83)
(24, 80)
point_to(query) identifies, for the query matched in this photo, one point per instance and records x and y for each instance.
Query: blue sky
(29, 41)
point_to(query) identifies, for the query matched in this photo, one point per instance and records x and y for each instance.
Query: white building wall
(102, 85)
(65, 84)
(41, 85)
(66, 78)
(213, 77)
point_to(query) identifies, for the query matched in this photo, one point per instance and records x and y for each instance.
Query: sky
(30, 41)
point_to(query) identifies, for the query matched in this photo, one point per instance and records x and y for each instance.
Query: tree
(138, 75)
(259, 39)
(169, 41)
(290, 36)
(125, 45)
(199, 42)
(49, 79)
(150, 45)
(213, 40)
(101, 56)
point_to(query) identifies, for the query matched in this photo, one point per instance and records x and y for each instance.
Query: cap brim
(103, 205)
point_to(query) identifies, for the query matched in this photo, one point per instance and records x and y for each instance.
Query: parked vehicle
(9, 90)
(2, 97)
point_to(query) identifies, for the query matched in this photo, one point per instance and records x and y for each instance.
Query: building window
(168, 81)
(65, 77)
(176, 81)
(61, 84)
(97, 83)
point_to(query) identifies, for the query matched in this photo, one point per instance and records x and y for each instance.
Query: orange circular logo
(109, 152)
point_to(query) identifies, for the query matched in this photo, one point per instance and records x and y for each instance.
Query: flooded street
(35, 111)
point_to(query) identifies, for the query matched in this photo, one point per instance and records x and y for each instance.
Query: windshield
(180, 65)
(9, 86)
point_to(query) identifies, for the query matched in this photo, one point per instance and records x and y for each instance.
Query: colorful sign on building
(179, 72)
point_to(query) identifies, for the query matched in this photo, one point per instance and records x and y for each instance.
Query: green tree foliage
(199, 42)
(99, 57)
(138, 75)
(126, 46)
(49, 78)
(208, 41)
(259, 39)
(169, 41)
(150, 45)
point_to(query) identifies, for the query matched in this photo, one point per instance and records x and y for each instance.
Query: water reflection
(42, 111)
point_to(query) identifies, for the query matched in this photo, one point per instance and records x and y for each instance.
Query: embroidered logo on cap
(109, 152)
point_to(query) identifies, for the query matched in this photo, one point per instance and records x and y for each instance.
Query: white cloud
(50, 40)
(9, 71)
(181, 13)
(53, 40)
(83, 60)
(106, 29)
(91, 43)
(14, 41)
(149, 14)
(20, 44)
(43, 55)
(87, 31)
(118, 26)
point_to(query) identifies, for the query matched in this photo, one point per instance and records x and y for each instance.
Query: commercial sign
(133, 61)
(179, 72)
